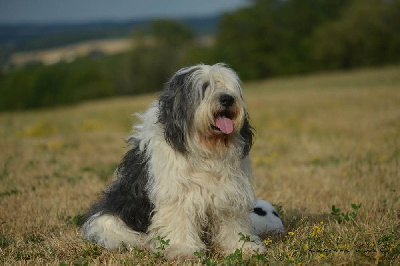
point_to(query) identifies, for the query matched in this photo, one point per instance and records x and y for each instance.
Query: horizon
(50, 12)
(106, 21)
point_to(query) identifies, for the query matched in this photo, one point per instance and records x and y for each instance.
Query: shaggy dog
(186, 177)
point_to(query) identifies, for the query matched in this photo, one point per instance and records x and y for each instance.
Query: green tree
(152, 62)
(366, 34)
(170, 32)
(42, 86)
(271, 36)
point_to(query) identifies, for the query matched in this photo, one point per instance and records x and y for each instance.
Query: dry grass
(322, 140)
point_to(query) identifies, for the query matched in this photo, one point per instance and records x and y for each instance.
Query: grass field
(322, 140)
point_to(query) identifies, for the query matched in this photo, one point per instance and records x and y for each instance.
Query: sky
(53, 11)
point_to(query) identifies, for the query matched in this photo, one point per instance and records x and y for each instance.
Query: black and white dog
(186, 177)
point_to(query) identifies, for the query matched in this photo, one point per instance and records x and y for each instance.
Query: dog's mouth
(223, 123)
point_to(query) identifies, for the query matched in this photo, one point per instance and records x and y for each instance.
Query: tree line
(267, 38)
(275, 37)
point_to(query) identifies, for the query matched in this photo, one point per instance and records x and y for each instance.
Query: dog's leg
(179, 224)
(232, 232)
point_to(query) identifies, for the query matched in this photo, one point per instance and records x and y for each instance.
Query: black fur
(127, 197)
(276, 214)
(259, 211)
(176, 110)
(204, 88)
(247, 134)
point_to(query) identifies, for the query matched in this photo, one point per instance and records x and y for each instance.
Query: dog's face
(204, 105)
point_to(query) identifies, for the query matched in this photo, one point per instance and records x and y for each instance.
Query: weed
(260, 257)
(93, 251)
(9, 193)
(161, 248)
(81, 262)
(4, 242)
(77, 220)
(204, 259)
(244, 238)
(163, 243)
(390, 243)
(34, 238)
(28, 255)
(235, 258)
(342, 217)
(279, 208)
(32, 164)
(5, 171)
(87, 169)
(200, 254)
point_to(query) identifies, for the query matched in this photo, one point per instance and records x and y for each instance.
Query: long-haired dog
(186, 177)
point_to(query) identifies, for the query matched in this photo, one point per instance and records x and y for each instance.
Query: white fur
(110, 232)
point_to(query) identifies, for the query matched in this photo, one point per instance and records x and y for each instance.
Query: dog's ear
(176, 109)
(247, 134)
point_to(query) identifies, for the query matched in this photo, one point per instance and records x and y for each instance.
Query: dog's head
(202, 106)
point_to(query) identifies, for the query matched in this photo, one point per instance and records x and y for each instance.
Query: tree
(152, 63)
(271, 37)
(366, 34)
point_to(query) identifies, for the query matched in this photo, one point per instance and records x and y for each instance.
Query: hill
(54, 35)
(29, 37)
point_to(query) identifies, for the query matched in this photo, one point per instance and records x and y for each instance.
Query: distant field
(69, 53)
(322, 140)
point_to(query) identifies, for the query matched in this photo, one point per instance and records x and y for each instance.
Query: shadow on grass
(294, 219)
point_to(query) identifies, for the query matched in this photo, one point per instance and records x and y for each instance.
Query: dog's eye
(205, 87)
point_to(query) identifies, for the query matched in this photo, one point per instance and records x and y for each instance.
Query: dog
(187, 176)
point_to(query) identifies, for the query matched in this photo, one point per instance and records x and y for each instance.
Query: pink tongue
(224, 124)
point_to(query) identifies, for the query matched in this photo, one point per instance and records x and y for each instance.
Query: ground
(326, 154)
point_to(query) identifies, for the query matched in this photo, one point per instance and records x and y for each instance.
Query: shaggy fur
(186, 177)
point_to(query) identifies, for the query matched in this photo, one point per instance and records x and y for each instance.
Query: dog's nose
(226, 100)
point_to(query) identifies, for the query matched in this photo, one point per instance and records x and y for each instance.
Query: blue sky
(52, 11)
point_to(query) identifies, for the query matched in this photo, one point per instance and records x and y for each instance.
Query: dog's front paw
(253, 247)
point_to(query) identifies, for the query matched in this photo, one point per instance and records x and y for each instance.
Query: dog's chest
(221, 188)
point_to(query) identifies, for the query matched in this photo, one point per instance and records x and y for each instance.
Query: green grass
(327, 154)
